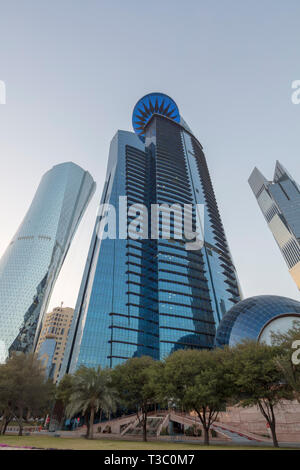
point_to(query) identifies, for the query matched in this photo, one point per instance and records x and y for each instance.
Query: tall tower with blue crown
(153, 296)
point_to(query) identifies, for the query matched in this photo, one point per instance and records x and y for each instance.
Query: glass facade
(279, 201)
(31, 263)
(46, 356)
(151, 296)
(252, 318)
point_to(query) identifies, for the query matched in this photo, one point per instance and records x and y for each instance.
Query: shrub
(193, 431)
(164, 431)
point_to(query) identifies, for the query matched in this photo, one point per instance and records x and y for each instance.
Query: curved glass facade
(249, 318)
(153, 296)
(279, 324)
(31, 263)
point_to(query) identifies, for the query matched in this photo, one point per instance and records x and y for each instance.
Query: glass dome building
(255, 318)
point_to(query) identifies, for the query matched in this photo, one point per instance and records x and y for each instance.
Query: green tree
(257, 380)
(194, 380)
(63, 394)
(6, 405)
(26, 388)
(288, 361)
(137, 391)
(91, 392)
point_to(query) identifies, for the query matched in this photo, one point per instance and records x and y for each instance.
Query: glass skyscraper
(279, 201)
(152, 296)
(31, 263)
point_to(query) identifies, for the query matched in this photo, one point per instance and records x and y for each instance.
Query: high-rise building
(32, 262)
(279, 201)
(53, 339)
(152, 296)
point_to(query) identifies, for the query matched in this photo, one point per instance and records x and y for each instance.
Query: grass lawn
(105, 444)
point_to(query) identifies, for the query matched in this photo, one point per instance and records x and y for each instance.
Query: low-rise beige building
(53, 339)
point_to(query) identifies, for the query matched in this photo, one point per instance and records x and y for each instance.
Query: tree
(6, 405)
(194, 381)
(63, 394)
(288, 360)
(134, 382)
(24, 387)
(257, 379)
(91, 392)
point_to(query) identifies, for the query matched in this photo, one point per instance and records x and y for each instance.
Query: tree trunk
(4, 427)
(271, 420)
(91, 425)
(62, 421)
(20, 420)
(273, 432)
(2, 424)
(206, 435)
(6, 420)
(86, 421)
(205, 423)
(145, 426)
(273, 427)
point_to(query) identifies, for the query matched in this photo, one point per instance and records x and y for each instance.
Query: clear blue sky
(74, 69)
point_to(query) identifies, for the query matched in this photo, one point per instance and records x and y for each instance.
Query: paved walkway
(233, 436)
(6, 447)
(14, 448)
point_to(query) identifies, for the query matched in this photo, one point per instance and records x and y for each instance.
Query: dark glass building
(152, 296)
(256, 318)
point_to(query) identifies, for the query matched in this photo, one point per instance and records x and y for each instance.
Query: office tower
(153, 296)
(279, 201)
(53, 339)
(32, 262)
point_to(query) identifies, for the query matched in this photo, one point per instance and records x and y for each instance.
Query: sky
(74, 70)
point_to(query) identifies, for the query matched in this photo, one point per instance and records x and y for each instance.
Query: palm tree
(91, 392)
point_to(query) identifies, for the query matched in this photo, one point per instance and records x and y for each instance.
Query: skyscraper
(153, 296)
(32, 262)
(279, 201)
(52, 341)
